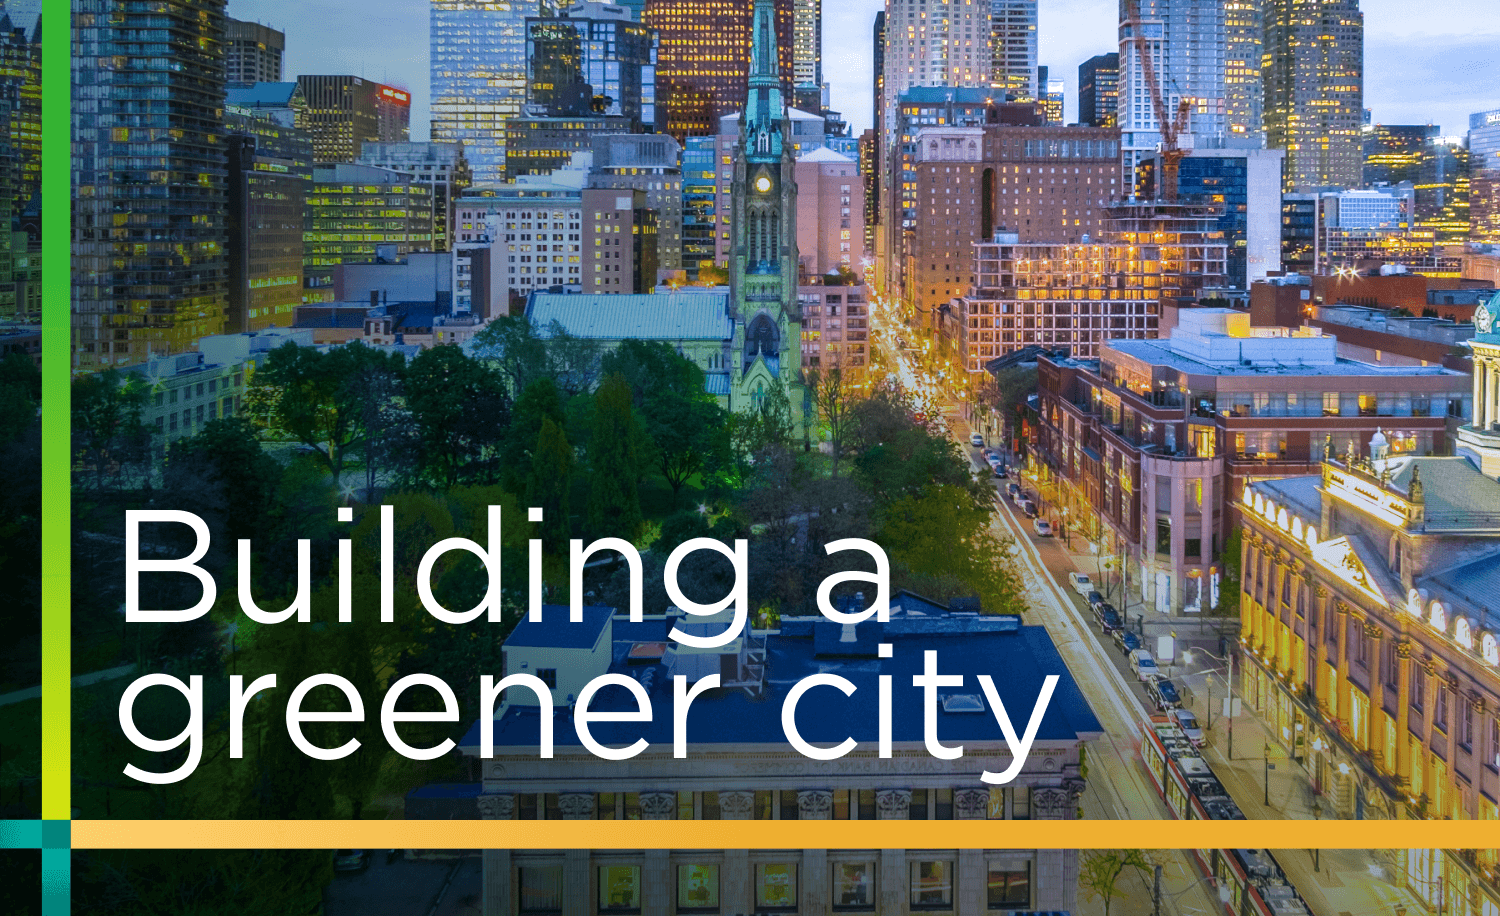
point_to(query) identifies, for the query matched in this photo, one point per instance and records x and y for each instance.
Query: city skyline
(1449, 52)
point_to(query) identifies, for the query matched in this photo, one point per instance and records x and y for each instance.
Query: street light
(1228, 660)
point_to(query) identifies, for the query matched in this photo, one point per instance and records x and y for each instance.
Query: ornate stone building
(1480, 440)
(1369, 624)
(740, 766)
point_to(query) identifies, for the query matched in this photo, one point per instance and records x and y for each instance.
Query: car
(976, 440)
(1094, 599)
(1001, 471)
(1127, 641)
(351, 859)
(1080, 582)
(1109, 621)
(991, 455)
(1042, 528)
(1013, 490)
(993, 461)
(1164, 694)
(1103, 608)
(1028, 508)
(1189, 724)
(1143, 664)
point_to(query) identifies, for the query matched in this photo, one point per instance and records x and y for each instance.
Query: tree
(689, 435)
(549, 484)
(573, 362)
(650, 366)
(942, 537)
(537, 402)
(107, 429)
(834, 398)
(223, 471)
(20, 395)
(614, 479)
(510, 344)
(461, 411)
(712, 275)
(389, 446)
(1099, 871)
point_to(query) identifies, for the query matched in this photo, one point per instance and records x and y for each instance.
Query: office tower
(270, 167)
(648, 163)
(359, 214)
(807, 42)
(345, 112)
(441, 166)
(149, 272)
(878, 84)
(1243, 33)
(1443, 189)
(1393, 153)
(21, 70)
(703, 57)
(1186, 38)
(478, 61)
(1099, 90)
(252, 52)
(935, 43)
(869, 175)
(699, 195)
(1245, 184)
(1050, 94)
(592, 60)
(538, 146)
(619, 241)
(1484, 177)
(1484, 141)
(1313, 74)
(1013, 41)
(830, 213)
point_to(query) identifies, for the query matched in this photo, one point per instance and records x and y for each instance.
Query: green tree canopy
(461, 410)
(550, 483)
(614, 464)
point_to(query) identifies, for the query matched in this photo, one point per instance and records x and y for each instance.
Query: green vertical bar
(56, 411)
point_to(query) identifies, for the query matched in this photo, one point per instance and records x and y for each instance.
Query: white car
(1042, 528)
(1081, 583)
(1189, 725)
(1144, 665)
(976, 440)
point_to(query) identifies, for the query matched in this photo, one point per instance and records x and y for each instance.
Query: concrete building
(1078, 297)
(440, 166)
(1245, 184)
(1370, 645)
(830, 213)
(807, 42)
(414, 277)
(1244, 97)
(479, 278)
(270, 173)
(739, 768)
(358, 214)
(935, 43)
(650, 163)
(1013, 70)
(536, 226)
(1151, 445)
(620, 244)
(835, 326)
(252, 52)
(345, 112)
(537, 145)
(1099, 90)
(1313, 82)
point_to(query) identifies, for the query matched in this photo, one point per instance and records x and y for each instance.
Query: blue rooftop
(260, 95)
(554, 630)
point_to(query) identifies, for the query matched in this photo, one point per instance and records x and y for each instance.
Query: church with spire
(767, 343)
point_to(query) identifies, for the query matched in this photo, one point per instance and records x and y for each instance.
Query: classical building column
(1478, 419)
(1377, 697)
(1322, 689)
(495, 882)
(1341, 674)
(1247, 586)
(1403, 713)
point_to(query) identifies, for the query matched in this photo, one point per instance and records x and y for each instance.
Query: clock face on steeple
(763, 184)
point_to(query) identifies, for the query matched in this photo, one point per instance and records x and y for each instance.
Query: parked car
(1013, 490)
(1001, 471)
(993, 461)
(1080, 582)
(1189, 725)
(1094, 599)
(1144, 665)
(1109, 621)
(1164, 694)
(351, 859)
(1127, 641)
(1028, 508)
(976, 440)
(1104, 607)
(1042, 527)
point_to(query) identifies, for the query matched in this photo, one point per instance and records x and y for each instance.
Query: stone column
(894, 881)
(736, 883)
(1492, 397)
(1377, 696)
(1403, 713)
(813, 884)
(1479, 393)
(658, 884)
(1246, 587)
(970, 883)
(495, 882)
(1322, 692)
(578, 884)
(1341, 674)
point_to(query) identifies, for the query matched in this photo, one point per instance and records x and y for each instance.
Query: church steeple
(765, 108)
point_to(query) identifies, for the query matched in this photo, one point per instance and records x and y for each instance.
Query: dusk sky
(1434, 66)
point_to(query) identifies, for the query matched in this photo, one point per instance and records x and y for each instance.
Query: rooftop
(648, 316)
(555, 631)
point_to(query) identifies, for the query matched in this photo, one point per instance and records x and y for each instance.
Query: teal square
(57, 834)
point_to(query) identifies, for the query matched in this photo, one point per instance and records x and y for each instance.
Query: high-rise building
(649, 163)
(441, 166)
(534, 223)
(252, 52)
(345, 112)
(869, 175)
(699, 194)
(149, 198)
(1443, 190)
(1186, 39)
(830, 213)
(1013, 49)
(1393, 153)
(270, 168)
(807, 42)
(478, 61)
(619, 241)
(21, 70)
(1050, 94)
(1099, 90)
(1245, 186)
(1484, 141)
(935, 43)
(1244, 30)
(703, 57)
(538, 146)
(592, 60)
(360, 214)
(1313, 74)
(877, 116)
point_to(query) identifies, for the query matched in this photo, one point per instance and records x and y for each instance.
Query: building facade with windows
(739, 767)
(1148, 446)
(359, 214)
(835, 326)
(592, 59)
(1312, 71)
(1368, 628)
(440, 166)
(1099, 90)
(1013, 71)
(535, 225)
(252, 52)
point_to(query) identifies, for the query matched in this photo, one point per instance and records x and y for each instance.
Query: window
(697, 888)
(917, 810)
(548, 676)
(1418, 685)
(1020, 803)
(932, 885)
(1010, 887)
(1466, 725)
(1440, 707)
(619, 889)
(605, 811)
(853, 886)
(1494, 759)
(776, 887)
(540, 889)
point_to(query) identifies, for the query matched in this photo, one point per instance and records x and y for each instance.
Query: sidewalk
(1346, 881)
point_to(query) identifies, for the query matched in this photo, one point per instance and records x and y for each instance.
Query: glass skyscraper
(1013, 38)
(1313, 74)
(586, 62)
(479, 75)
(150, 275)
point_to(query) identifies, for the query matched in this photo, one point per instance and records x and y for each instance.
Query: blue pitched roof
(651, 316)
(716, 383)
(555, 631)
(1018, 657)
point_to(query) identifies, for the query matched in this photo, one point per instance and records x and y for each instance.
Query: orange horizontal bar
(978, 834)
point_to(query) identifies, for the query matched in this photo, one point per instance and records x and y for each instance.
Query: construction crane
(1172, 124)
